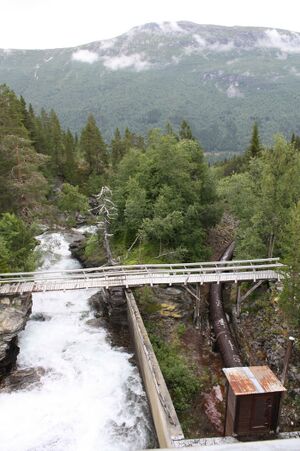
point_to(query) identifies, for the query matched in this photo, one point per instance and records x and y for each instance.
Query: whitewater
(90, 396)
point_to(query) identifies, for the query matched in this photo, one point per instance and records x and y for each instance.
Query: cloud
(288, 43)
(171, 27)
(221, 47)
(233, 91)
(85, 56)
(294, 71)
(107, 44)
(281, 56)
(135, 61)
(203, 45)
(200, 41)
(175, 59)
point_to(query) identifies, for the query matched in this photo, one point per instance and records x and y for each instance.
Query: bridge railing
(124, 271)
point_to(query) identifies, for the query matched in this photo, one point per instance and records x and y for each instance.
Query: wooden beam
(240, 299)
(287, 357)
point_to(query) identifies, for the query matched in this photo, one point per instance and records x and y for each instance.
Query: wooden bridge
(139, 275)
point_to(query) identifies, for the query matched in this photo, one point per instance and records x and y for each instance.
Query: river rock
(111, 303)
(14, 313)
(77, 248)
(40, 317)
(20, 379)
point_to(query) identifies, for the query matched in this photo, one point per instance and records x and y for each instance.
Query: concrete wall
(292, 444)
(165, 419)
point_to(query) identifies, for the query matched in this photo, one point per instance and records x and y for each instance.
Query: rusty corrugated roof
(252, 379)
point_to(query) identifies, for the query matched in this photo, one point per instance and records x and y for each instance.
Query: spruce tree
(23, 185)
(56, 147)
(93, 147)
(254, 148)
(185, 131)
(117, 148)
(11, 114)
(69, 164)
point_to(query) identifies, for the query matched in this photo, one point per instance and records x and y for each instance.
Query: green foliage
(290, 296)
(185, 131)
(70, 200)
(92, 246)
(11, 114)
(93, 147)
(255, 147)
(180, 377)
(268, 90)
(166, 195)
(261, 199)
(181, 329)
(17, 244)
(147, 301)
(69, 168)
(94, 254)
(22, 183)
(118, 148)
(296, 141)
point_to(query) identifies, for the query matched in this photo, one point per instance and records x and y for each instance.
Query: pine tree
(11, 114)
(22, 184)
(69, 164)
(185, 131)
(295, 141)
(93, 147)
(56, 146)
(254, 148)
(170, 131)
(117, 148)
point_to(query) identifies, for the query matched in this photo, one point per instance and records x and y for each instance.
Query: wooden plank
(134, 279)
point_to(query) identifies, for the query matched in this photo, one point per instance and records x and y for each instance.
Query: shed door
(261, 412)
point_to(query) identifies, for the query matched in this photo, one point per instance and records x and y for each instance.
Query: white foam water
(91, 397)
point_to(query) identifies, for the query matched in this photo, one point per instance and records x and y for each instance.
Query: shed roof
(252, 379)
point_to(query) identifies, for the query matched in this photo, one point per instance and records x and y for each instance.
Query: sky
(40, 24)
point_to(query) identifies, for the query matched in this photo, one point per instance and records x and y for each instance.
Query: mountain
(220, 79)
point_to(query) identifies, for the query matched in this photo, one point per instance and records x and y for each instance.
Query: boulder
(14, 313)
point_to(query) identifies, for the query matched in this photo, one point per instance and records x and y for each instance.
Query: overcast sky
(63, 23)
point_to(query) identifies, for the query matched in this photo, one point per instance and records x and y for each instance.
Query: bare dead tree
(106, 211)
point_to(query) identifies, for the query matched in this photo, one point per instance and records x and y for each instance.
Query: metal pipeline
(227, 346)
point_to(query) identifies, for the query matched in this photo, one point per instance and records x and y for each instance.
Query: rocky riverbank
(14, 313)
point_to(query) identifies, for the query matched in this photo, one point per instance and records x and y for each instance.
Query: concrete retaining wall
(165, 419)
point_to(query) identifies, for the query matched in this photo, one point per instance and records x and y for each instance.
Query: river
(90, 397)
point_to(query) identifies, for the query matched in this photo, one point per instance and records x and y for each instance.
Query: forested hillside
(165, 197)
(156, 199)
(220, 79)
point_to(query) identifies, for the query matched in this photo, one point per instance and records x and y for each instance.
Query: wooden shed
(253, 400)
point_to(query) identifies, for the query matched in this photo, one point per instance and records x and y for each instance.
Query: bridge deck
(137, 275)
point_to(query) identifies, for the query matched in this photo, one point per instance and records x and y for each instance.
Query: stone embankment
(14, 313)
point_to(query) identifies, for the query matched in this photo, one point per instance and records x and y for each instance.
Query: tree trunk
(271, 245)
(106, 245)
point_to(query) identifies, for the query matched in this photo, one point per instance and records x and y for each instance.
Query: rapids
(90, 397)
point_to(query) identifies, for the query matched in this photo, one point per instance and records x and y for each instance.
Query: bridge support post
(198, 308)
(238, 299)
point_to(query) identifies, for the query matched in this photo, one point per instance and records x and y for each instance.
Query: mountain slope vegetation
(220, 79)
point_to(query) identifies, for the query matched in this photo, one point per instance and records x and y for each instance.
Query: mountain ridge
(220, 79)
